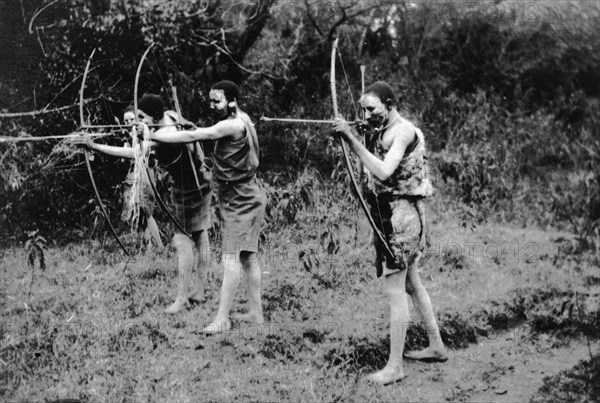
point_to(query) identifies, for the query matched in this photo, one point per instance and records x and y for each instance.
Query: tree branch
(43, 111)
(312, 19)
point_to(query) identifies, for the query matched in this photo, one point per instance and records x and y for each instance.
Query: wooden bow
(87, 157)
(347, 161)
(135, 111)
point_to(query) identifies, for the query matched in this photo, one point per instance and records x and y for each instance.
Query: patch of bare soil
(508, 367)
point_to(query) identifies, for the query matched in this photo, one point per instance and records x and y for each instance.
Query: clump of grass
(545, 311)
(511, 313)
(278, 348)
(357, 355)
(291, 345)
(457, 332)
(587, 324)
(286, 298)
(579, 384)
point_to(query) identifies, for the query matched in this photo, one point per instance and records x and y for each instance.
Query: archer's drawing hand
(186, 124)
(342, 128)
(83, 140)
(141, 130)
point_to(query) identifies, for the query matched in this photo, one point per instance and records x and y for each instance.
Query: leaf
(307, 265)
(323, 238)
(331, 248)
(571, 311)
(563, 307)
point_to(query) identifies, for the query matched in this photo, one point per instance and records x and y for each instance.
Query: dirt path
(508, 368)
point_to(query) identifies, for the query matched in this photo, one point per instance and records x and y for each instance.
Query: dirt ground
(94, 327)
(508, 368)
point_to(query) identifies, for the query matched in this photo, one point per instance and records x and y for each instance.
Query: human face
(129, 118)
(218, 103)
(145, 118)
(376, 112)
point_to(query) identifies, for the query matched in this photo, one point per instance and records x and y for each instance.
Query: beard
(375, 121)
(219, 115)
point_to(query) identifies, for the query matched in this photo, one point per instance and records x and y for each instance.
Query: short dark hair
(229, 88)
(129, 109)
(152, 105)
(383, 91)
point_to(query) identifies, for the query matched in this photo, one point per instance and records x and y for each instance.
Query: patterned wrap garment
(396, 203)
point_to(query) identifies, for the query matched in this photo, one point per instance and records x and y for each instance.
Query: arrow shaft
(292, 120)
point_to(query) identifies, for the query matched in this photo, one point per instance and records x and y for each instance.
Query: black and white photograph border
(299, 200)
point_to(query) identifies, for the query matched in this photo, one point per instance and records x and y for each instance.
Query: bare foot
(249, 317)
(386, 376)
(427, 355)
(217, 327)
(177, 306)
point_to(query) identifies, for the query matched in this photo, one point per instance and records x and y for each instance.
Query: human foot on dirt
(217, 327)
(177, 306)
(427, 355)
(249, 317)
(386, 376)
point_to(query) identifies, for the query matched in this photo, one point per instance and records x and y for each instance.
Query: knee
(230, 260)
(248, 259)
(392, 291)
(394, 284)
(200, 237)
(395, 295)
(202, 243)
(182, 242)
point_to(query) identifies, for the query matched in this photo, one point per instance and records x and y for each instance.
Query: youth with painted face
(147, 199)
(241, 199)
(191, 193)
(397, 183)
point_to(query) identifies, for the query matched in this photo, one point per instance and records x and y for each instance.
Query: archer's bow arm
(381, 169)
(220, 130)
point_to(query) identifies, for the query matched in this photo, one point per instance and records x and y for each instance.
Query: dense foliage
(506, 93)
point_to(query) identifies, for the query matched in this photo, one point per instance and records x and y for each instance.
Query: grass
(94, 328)
(579, 384)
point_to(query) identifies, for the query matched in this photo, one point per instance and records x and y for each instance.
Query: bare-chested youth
(397, 183)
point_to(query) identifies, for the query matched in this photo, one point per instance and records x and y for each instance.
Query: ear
(389, 103)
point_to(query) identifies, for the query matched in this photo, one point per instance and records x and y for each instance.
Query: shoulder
(404, 131)
(232, 127)
(244, 117)
(171, 116)
(405, 127)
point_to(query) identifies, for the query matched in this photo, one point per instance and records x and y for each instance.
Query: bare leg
(185, 253)
(202, 263)
(232, 274)
(436, 352)
(147, 239)
(253, 276)
(394, 287)
(152, 230)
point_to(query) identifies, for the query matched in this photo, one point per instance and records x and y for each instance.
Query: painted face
(128, 118)
(376, 112)
(218, 102)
